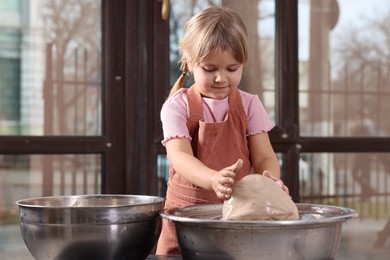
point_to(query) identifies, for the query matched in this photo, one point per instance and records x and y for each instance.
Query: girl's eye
(213, 69)
(232, 69)
(208, 69)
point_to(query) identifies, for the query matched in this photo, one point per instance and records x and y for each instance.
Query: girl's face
(217, 74)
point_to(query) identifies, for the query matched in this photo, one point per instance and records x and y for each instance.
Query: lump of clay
(256, 197)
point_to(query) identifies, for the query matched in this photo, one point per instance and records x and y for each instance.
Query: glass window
(344, 68)
(162, 174)
(50, 68)
(10, 91)
(10, 7)
(50, 84)
(356, 180)
(26, 176)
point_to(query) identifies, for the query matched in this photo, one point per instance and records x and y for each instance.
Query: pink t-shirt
(175, 113)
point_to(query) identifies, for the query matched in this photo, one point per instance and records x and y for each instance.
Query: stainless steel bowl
(203, 235)
(91, 226)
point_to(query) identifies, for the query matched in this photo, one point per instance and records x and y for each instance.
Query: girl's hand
(277, 180)
(222, 181)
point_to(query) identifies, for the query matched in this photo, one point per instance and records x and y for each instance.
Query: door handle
(165, 10)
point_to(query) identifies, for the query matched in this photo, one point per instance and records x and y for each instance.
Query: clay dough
(257, 197)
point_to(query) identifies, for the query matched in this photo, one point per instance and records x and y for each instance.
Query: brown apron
(217, 145)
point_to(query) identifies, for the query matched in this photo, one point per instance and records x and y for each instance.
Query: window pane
(50, 69)
(26, 176)
(162, 174)
(357, 180)
(344, 59)
(259, 17)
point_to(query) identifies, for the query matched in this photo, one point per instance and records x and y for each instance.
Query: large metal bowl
(91, 226)
(203, 235)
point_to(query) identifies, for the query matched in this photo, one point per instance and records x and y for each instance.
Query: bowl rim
(347, 213)
(26, 202)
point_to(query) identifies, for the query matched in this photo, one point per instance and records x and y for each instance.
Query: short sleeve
(258, 118)
(174, 117)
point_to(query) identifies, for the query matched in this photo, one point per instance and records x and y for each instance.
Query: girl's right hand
(223, 180)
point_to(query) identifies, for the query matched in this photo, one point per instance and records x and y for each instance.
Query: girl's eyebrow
(205, 63)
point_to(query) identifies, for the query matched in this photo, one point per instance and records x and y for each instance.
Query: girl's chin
(218, 94)
(215, 93)
(213, 96)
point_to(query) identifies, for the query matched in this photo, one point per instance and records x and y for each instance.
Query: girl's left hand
(277, 180)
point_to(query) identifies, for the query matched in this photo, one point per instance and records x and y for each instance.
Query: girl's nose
(220, 77)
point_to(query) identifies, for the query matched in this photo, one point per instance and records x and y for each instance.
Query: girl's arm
(184, 162)
(263, 158)
(262, 154)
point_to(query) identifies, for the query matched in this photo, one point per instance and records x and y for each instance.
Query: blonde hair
(211, 29)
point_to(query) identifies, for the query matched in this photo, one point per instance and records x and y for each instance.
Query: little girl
(214, 133)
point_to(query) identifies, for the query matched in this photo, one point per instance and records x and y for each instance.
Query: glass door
(343, 124)
(51, 106)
